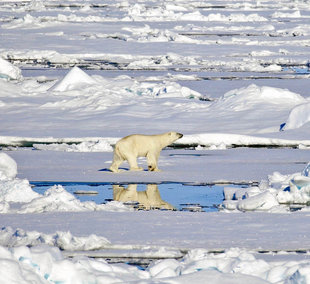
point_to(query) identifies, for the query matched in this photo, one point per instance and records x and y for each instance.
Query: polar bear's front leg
(152, 162)
(133, 164)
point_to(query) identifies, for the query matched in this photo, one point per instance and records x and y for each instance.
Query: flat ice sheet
(233, 165)
(257, 231)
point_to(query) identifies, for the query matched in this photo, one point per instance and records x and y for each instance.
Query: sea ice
(43, 263)
(215, 42)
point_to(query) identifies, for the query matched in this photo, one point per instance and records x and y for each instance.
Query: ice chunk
(262, 201)
(306, 170)
(229, 193)
(8, 167)
(9, 71)
(298, 116)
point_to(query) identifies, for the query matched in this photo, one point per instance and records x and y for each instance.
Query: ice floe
(277, 195)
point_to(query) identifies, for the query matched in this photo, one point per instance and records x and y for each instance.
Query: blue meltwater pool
(164, 196)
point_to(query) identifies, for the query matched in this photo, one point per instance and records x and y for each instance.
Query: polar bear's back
(138, 144)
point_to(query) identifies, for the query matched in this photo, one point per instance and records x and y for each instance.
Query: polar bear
(138, 145)
(147, 199)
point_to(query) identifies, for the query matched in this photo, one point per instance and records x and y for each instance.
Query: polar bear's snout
(180, 135)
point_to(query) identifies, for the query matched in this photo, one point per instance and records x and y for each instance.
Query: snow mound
(62, 240)
(298, 116)
(9, 71)
(16, 191)
(8, 167)
(244, 98)
(75, 79)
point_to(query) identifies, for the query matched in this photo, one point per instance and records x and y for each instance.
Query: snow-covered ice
(231, 76)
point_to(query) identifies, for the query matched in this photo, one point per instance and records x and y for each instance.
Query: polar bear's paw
(154, 169)
(136, 169)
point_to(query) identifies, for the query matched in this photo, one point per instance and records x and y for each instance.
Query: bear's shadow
(123, 169)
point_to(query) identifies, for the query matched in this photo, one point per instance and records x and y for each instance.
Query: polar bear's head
(173, 136)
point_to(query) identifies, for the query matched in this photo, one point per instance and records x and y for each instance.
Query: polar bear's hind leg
(117, 160)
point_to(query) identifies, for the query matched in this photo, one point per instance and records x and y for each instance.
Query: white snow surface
(78, 76)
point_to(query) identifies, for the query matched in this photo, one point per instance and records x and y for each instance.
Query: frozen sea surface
(78, 75)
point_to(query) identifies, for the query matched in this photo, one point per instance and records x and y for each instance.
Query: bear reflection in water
(147, 200)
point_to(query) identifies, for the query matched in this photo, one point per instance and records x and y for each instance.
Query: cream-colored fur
(137, 145)
(148, 199)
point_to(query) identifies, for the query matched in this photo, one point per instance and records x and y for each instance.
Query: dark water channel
(164, 196)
